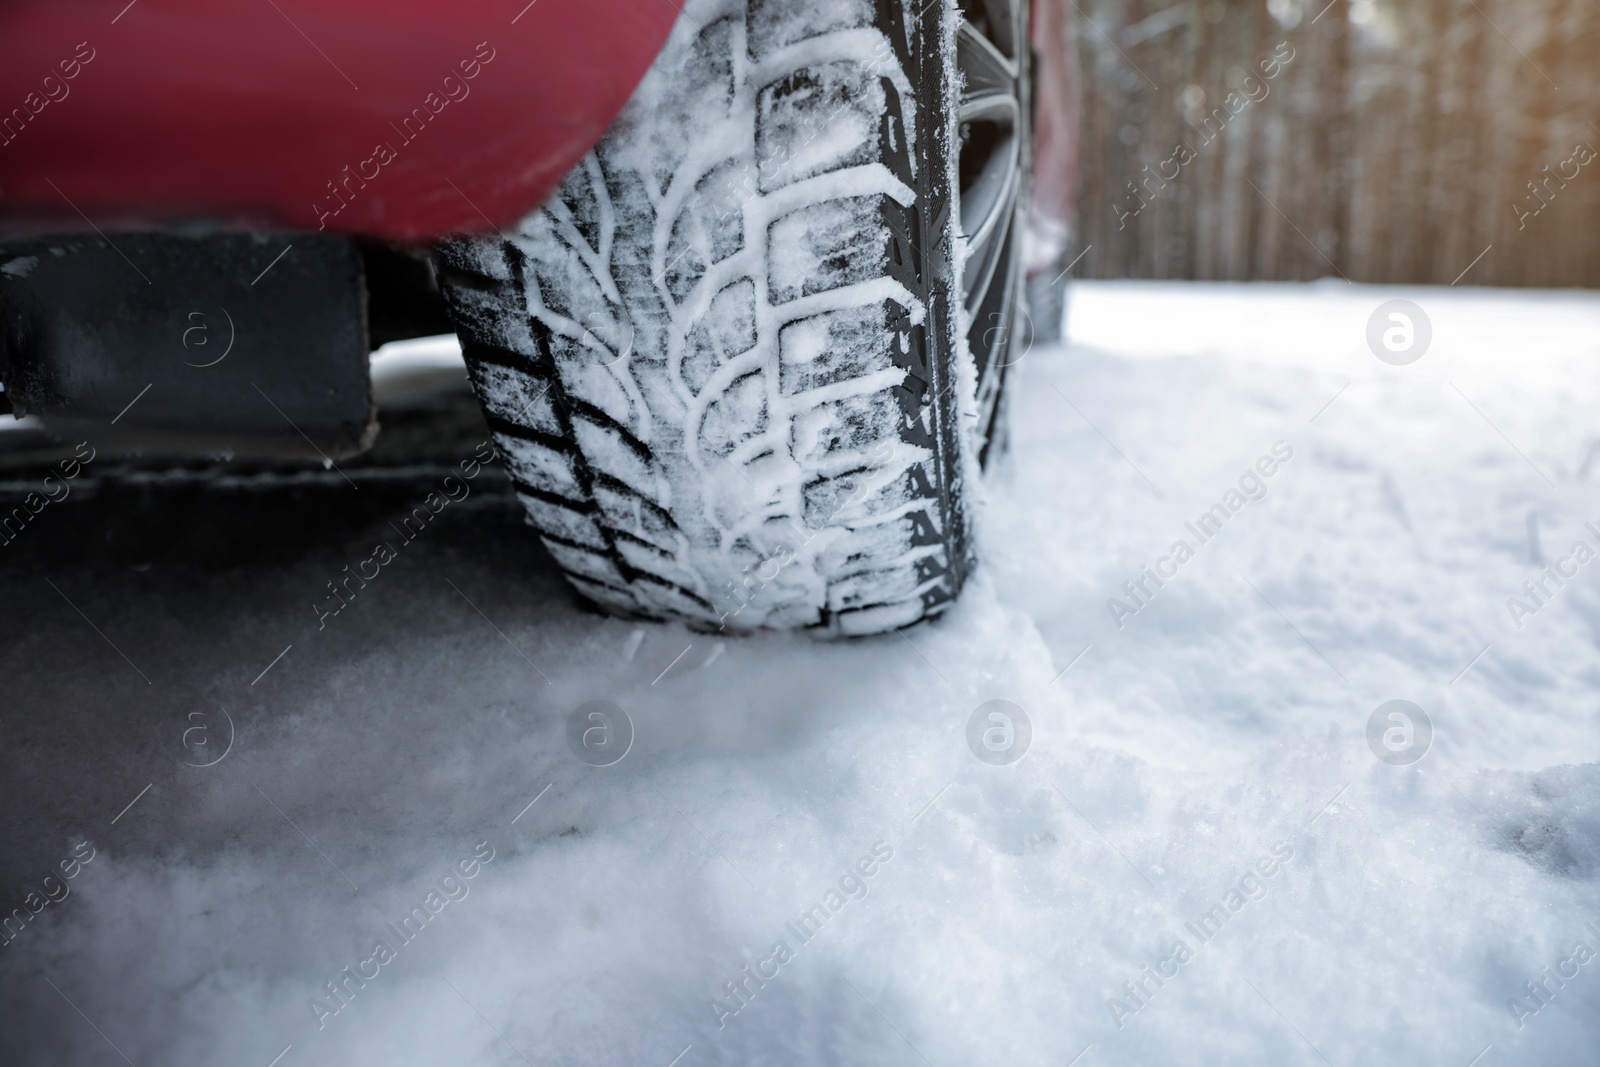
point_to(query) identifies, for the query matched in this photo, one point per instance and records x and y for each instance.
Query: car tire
(732, 367)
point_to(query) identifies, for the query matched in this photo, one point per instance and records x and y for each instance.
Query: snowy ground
(1021, 914)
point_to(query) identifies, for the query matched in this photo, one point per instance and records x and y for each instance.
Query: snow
(1201, 775)
(403, 371)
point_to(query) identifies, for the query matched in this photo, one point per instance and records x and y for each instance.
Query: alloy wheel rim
(990, 125)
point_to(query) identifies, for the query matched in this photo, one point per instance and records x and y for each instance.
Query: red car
(737, 284)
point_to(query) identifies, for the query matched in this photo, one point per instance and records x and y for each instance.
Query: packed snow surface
(1200, 858)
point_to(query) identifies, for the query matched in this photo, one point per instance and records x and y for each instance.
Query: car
(737, 283)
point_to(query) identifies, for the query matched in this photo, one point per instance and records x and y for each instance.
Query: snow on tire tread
(706, 361)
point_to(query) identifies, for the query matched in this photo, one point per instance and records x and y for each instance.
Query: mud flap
(236, 343)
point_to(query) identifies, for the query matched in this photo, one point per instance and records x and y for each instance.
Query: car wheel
(743, 365)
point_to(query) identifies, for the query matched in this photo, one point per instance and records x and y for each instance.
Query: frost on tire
(721, 365)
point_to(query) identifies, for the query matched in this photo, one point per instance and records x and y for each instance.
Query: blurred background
(1400, 143)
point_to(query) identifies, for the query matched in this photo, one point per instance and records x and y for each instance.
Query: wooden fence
(1395, 141)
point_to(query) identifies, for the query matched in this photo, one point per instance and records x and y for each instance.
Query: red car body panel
(1055, 151)
(399, 119)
